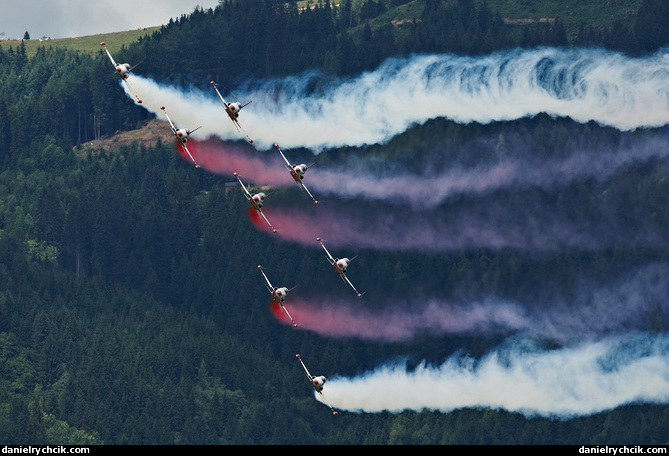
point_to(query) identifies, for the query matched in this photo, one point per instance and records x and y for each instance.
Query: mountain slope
(85, 44)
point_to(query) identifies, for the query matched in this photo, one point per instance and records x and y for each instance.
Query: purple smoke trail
(490, 225)
(428, 189)
(635, 302)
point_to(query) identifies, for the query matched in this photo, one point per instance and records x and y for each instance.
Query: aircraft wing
(306, 371)
(174, 130)
(190, 155)
(213, 84)
(349, 282)
(263, 216)
(289, 316)
(269, 285)
(334, 412)
(244, 189)
(110, 57)
(284, 157)
(308, 192)
(330, 257)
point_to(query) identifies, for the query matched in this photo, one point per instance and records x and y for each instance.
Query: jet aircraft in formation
(256, 200)
(123, 70)
(278, 294)
(232, 109)
(340, 265)
(297, 171)
(316, 382)
(181, 134)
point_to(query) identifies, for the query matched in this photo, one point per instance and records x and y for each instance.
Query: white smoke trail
(519, 377)
(187, 109)
(583, 84)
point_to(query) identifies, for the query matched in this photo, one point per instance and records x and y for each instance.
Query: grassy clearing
(574, 13)
(86, 44)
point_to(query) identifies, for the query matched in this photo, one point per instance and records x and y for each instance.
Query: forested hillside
(132, 310)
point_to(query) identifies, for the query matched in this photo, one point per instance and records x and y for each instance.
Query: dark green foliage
(131, 310)
(650, 30)
(149, 324)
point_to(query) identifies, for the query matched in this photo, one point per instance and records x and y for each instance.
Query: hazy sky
(67, 18)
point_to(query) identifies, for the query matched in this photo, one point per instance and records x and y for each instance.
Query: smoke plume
(521, 377)
(515, 224)
(602, 362)
(318, 112)
(633, 302)
(426, 189)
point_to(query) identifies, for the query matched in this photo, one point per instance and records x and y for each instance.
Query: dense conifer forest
(131, 308)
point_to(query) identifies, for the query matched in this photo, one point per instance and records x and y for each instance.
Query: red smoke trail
(182, 151)
(396, 228)
(302, 226)
(279, 314)
(345, 320)
(339, 319)
(349, 319)
(219, 157)
(257, 220)
(635, 301)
